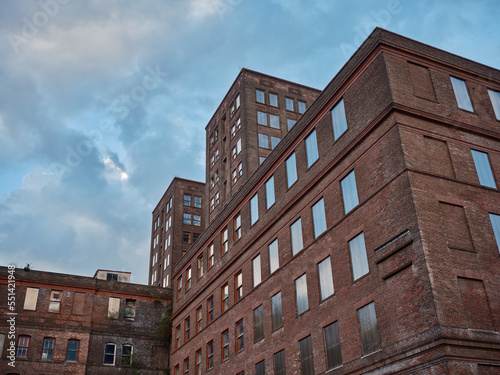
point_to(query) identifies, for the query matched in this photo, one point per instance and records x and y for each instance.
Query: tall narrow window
(257, 277)
(238, 283)
(187, 200)
(263, 140)
(260, 368)
(319, 217)
(197, 200)
(187, 219)
(240, 342)
(200, 266)
(179, 287)
(178, 336)
(188, 278)
(274, 121)
(48, 349)
(261, 118)
(296, 232)
(495, 102)
(210, 310)
(127, 353)
(359, 259)
(199, 319)
(339, 120)
(186, 366)
(332, 346)
(30, 299)
(55, 301)
(273, 100)
(258, 323)
(224, 298)
(370, 339)
(225, 243)
(483, 169)
(254, 209)
(276, 311)
(495, 223)
(225, 345)
(274, 257)
(72, 351)
(306, 356)
(109, 354)
(129, 312)
(291, 170)
(210, 255)
(289, 104)
(325, 278)
(301, 294)
(260, 96)
(311, 148)
(187, 328)
(23, 345)
(461, 94)
(198, 362)
(270, 198)
(176, 370)
(302, 106)
(210, 355)
(349, 192)
(237, 227)
(279, 363)
(113, 307)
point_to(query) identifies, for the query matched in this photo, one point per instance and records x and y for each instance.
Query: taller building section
(257, 112)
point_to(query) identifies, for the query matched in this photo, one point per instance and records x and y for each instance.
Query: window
(186, 237)
(240, 169)
(197, 220)
(225, 241)
(311, 148)
(495, 223)
(260, 368)
(200, 266)
(48, 349)
(30, 299)
(296, 232)
(225, 298)
(114, 276)
(332, 346)
(187, 328)
(274, 260)
(235, 176)
(339, 120)
(302, 106)
(370, 340)
(238, 101)
(210, 256)
(260, 96)
(261, 159)
(23, 345)
(55, 301)
(461, 94)
(210, 310)
(349, 192)
(179, 287)
(188, 278)
(225, 345)
(291, 170)
(261, 118)
(358, 256)
(199, 319)
(176, 370)
(109, 354)
(319, 218)
(240, 342)
(274, 121)
(257, 277)
(237, 148)
(238, 282)
(276, 311)
(72, 351)
(279, 363)
(178, 336)
(197, 200)
(198, 362)
(270, 198)
(237, 228)
(258, 323)
(290, 123)
(274, 142)
(306, 356)
(263, 141)
(186, 366)
(187, 219)
(495, 102)
(289, 104)
(127, 351)
(254, 209)
(483, 169)
(325, 278)
(210, 355)
(113, 307)
(130, 309)
(273, 100)
(187, 200)
(301, 293)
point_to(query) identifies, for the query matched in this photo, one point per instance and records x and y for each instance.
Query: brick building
(367, 241)
(67, 324)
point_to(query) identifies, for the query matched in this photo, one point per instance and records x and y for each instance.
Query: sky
(102, 103)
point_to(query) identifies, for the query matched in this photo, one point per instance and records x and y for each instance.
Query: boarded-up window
(113, 307)
(258, 323)
(475, 304)
(456, 227)
(78, 303)
(422, 82)
(306, 356)
(332, 345)
(438, 156)
(279, 363)
(30, 299)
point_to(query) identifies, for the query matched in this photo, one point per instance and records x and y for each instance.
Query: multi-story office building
(178, 221)
(367, 241)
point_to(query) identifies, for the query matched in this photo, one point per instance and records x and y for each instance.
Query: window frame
(237, 227)
(108, 354)
(238, 286)
(239, 336)
(291, 170)
(210, 355)
(48, 349)
(225, 345)
(130, 356)
(72, 350)
(23, 347)
(224, 290)
(460, 88)
(361, 257)
(326, 290)
(312, 150)
(349, 190)
(210, 310)
(339, 119)
(270, 188)
(254, 209)
(301, 298)
(276, 311)
(258, 323)
(199, 319)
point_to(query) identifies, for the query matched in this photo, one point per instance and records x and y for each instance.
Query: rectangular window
(186, 237)
(306, 356)
(224, 298)
(290, 123)
(200, 266)
(483, 169)
(302, 106)
(238, 283)
(339, 120)
(225, 345)
(199, 319)
(258, 323)
(254, 209)
(225, 243)
(240, 169)
(274, 142)
(129, 313)
(495, 102)
(186, 366)
(301, 293)
(263, 141)
(23, 345)
(279, 363)
(176, 370)
(274, 257)
(461, 94)
(188, 278)
(260, 368)
(197, 200)
(273, 100)
(187, 328)
(113, 307)
(289, 104)
(291, 170)
(274, 121)
(30, 299)
(495, 223)
(319, 217)
(359, 259)
(55, 301)
(179, 287)
(237, 227)
(240, 343)
(210, 310)
(332, 346)
(238, 101)
(296, 233)
(72, 351)
(210, 256)
(48, 349)
(178, 337)
(349, 192)
(109, 354)
(210, 355)
(260, 96)
(257, 277)
(325, 278)
(370, 339)
(187, 200)
(197, 220)
(261, 118)
(198, 362)
(270, 198)
(187, 219)
(276, 311)
(312, 148)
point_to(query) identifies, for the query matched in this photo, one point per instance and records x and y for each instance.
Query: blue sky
(102, 103)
